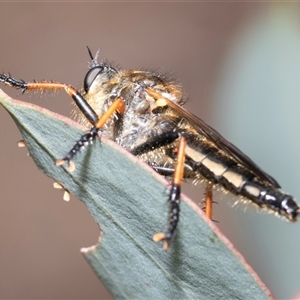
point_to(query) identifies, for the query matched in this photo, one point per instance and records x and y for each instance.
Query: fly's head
(98, 77)
(98, 88)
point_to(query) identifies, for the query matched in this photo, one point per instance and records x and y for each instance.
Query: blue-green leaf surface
(128, 201)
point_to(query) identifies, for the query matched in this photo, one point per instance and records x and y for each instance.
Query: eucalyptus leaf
(128, 201)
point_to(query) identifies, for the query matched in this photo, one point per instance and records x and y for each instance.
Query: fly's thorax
(138, 127)
(159, 82)
(140, 121)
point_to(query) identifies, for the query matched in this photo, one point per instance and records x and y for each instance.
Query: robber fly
(142, 112)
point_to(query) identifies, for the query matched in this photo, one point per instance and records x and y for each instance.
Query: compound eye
(91, 76)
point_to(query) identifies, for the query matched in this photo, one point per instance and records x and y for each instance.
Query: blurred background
(239, 64)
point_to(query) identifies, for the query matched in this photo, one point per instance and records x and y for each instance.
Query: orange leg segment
(208, 201)
(174, 198)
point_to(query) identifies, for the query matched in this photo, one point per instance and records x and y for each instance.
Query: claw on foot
(21, 144)
(162, 237)
(66, 195)
(71, 164)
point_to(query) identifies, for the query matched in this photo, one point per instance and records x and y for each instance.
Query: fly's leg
(208, 201)
(174, 197)
(155, 142)
(174, 194)
(24, 86)
(117, 106)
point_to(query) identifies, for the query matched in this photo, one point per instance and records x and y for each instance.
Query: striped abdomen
(220, 168)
